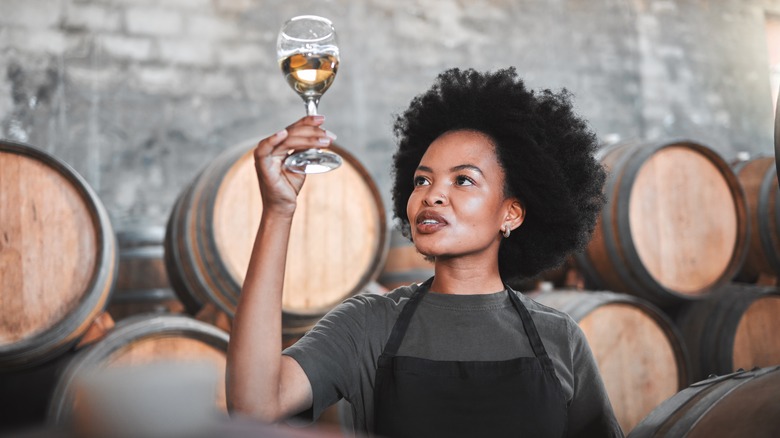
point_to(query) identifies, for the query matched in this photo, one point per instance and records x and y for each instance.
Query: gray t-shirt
(339, 355)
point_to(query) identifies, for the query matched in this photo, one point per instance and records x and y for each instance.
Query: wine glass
(309, 58)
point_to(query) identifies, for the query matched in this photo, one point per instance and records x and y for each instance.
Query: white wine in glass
(308, 55)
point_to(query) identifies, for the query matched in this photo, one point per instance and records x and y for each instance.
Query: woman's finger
(319, 140)
(294, 139)
(266, 145)
(309, 121)
(307, 130)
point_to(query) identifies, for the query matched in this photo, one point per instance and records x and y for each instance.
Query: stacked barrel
(654, 291)
(678, 227)
(731, 330)
(67, 276)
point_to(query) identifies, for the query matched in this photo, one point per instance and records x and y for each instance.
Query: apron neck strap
(530, 330)
(402, 323)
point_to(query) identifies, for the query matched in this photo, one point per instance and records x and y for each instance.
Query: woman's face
(457, 207)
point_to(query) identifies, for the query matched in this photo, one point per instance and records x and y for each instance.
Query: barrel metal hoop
(200, 259)
(777, 209)
(150, 295)
(705, 404)
(225, 289)
(589, 271)
(768, 185)
(656, 420)
(174, 260)
(610, 239)
(153, 253)
(646, 281)
(720, 325)
(184, 258)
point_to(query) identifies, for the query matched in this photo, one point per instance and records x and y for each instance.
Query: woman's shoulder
(534, 306)
(392, 300)
(550, 319)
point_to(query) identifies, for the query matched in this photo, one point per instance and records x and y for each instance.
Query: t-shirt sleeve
(329, 355)
(590, 411)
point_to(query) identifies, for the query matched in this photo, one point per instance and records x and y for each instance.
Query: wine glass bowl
(308, 56)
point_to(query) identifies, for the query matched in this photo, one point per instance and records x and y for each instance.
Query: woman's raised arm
(260, 381)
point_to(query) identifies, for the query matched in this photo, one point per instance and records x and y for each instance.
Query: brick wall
(138, 95)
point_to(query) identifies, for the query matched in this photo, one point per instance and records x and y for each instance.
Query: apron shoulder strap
(402, 323)
(530, 330)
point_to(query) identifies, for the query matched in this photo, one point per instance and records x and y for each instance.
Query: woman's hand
(279, 187)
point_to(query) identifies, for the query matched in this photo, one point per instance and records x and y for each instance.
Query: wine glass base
(312, 161)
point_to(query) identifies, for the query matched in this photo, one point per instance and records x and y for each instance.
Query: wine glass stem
(311, 107)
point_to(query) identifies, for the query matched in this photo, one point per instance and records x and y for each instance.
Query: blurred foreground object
(143, 341)
(153, 400)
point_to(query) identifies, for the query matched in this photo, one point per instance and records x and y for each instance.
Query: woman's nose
(435, 197)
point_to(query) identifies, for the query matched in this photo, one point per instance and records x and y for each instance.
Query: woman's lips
(429, 222)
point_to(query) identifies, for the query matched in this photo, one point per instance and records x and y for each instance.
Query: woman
(493, 182)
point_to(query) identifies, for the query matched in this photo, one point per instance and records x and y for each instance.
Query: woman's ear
(515, 213)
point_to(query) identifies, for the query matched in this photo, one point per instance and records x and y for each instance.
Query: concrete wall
(138, 95)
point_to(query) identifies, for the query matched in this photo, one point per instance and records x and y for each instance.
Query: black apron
(416, 397)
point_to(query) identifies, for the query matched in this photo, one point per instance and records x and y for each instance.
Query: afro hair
(545, 149)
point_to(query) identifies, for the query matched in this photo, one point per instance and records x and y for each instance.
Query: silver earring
(507, 231)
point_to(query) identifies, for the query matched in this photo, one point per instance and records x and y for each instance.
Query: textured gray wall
(138, 95)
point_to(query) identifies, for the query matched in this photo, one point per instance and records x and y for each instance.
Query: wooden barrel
(139, 341)
(758, 177)
(404, 265)
(742, 404)
(736, 327)
(57, 256)
(337, 246)
(142, 284)
(674, 226)
(640, 355)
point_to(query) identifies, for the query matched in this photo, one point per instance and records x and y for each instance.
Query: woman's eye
(463, 181)
(420, 181)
